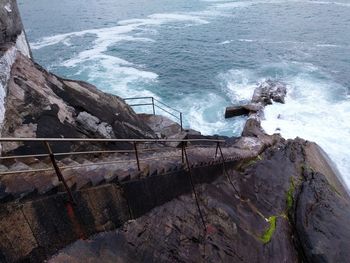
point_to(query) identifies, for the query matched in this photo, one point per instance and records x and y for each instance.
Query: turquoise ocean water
(203, 55)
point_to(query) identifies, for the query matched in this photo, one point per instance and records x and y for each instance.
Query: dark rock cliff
(36, 103)
(278, 207)
(40, 104)
(271, 201)
(10, 22)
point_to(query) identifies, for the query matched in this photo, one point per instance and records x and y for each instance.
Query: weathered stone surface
(161, 125)
(10, 22)
(274, 201)
(93, 125)
(34, 230)
(40, 104)
(16, 237)
(275, 211)
(319, 162)
(269, 91)
(322, 220)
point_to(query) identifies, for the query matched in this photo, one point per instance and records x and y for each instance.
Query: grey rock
(93, 125)
(269, 91)
(40, 104)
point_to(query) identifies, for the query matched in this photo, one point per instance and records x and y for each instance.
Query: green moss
(307, 168)
(334, 189)
(250, 162)
(290, 195)
(266, 237)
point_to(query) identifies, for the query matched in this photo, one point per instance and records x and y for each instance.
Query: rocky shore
(269, 200)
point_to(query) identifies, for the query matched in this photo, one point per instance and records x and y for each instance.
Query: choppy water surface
(201, 56)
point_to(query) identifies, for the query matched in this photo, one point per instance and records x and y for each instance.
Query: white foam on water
(225, 42)
(238, 84)
(316, 108)
(100, 66)
(312, 112)
(329, 3)
(207, 115)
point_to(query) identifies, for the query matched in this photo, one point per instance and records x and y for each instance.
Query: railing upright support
(181, 121)
(225, 170)
(217, 148)
(137, 157)
(58, 172)
(183, 152)
(154, 109)
(194, 189)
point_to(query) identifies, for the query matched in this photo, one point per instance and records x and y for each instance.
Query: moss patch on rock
(267, 235)
(290, 195)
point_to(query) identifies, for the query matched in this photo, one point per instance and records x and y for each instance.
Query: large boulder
(269, 91)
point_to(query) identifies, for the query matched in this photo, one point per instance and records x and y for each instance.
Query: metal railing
(151, 101)
(135, 150)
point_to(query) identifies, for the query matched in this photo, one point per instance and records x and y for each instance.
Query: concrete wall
(37, 229)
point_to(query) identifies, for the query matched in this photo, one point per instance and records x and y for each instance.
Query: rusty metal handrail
(58, 172)
(57, 169)
(70, 167)
(5, 139)
(154, 105)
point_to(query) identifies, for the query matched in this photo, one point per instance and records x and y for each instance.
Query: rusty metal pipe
(58, 173)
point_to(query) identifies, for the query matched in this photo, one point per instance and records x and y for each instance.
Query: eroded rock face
(322, 222)
(161, 125)
(10, 21)
(40, 104)
(269, 91)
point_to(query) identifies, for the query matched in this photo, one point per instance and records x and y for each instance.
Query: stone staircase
(81, 172)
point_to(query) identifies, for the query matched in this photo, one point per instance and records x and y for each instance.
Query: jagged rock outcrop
(36, 103)
(264, 94)
(40, 104)
(12, 40)
(11, 28)
(269, 91)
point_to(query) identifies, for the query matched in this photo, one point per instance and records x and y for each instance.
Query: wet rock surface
(270, 210)
(271, 200)
(269, 91)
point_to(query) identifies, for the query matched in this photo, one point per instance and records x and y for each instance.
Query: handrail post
(183, 152)
(181, 121)
(194, 189)
(225, 171)
(154, 109)
(58, 172)
(137, 157)
(217, 148)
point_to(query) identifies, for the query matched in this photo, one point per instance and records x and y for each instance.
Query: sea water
(200, 56)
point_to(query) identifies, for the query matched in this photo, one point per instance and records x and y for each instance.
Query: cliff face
(271, 200)
(12, 40)
(10, 22)
(40, 104)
